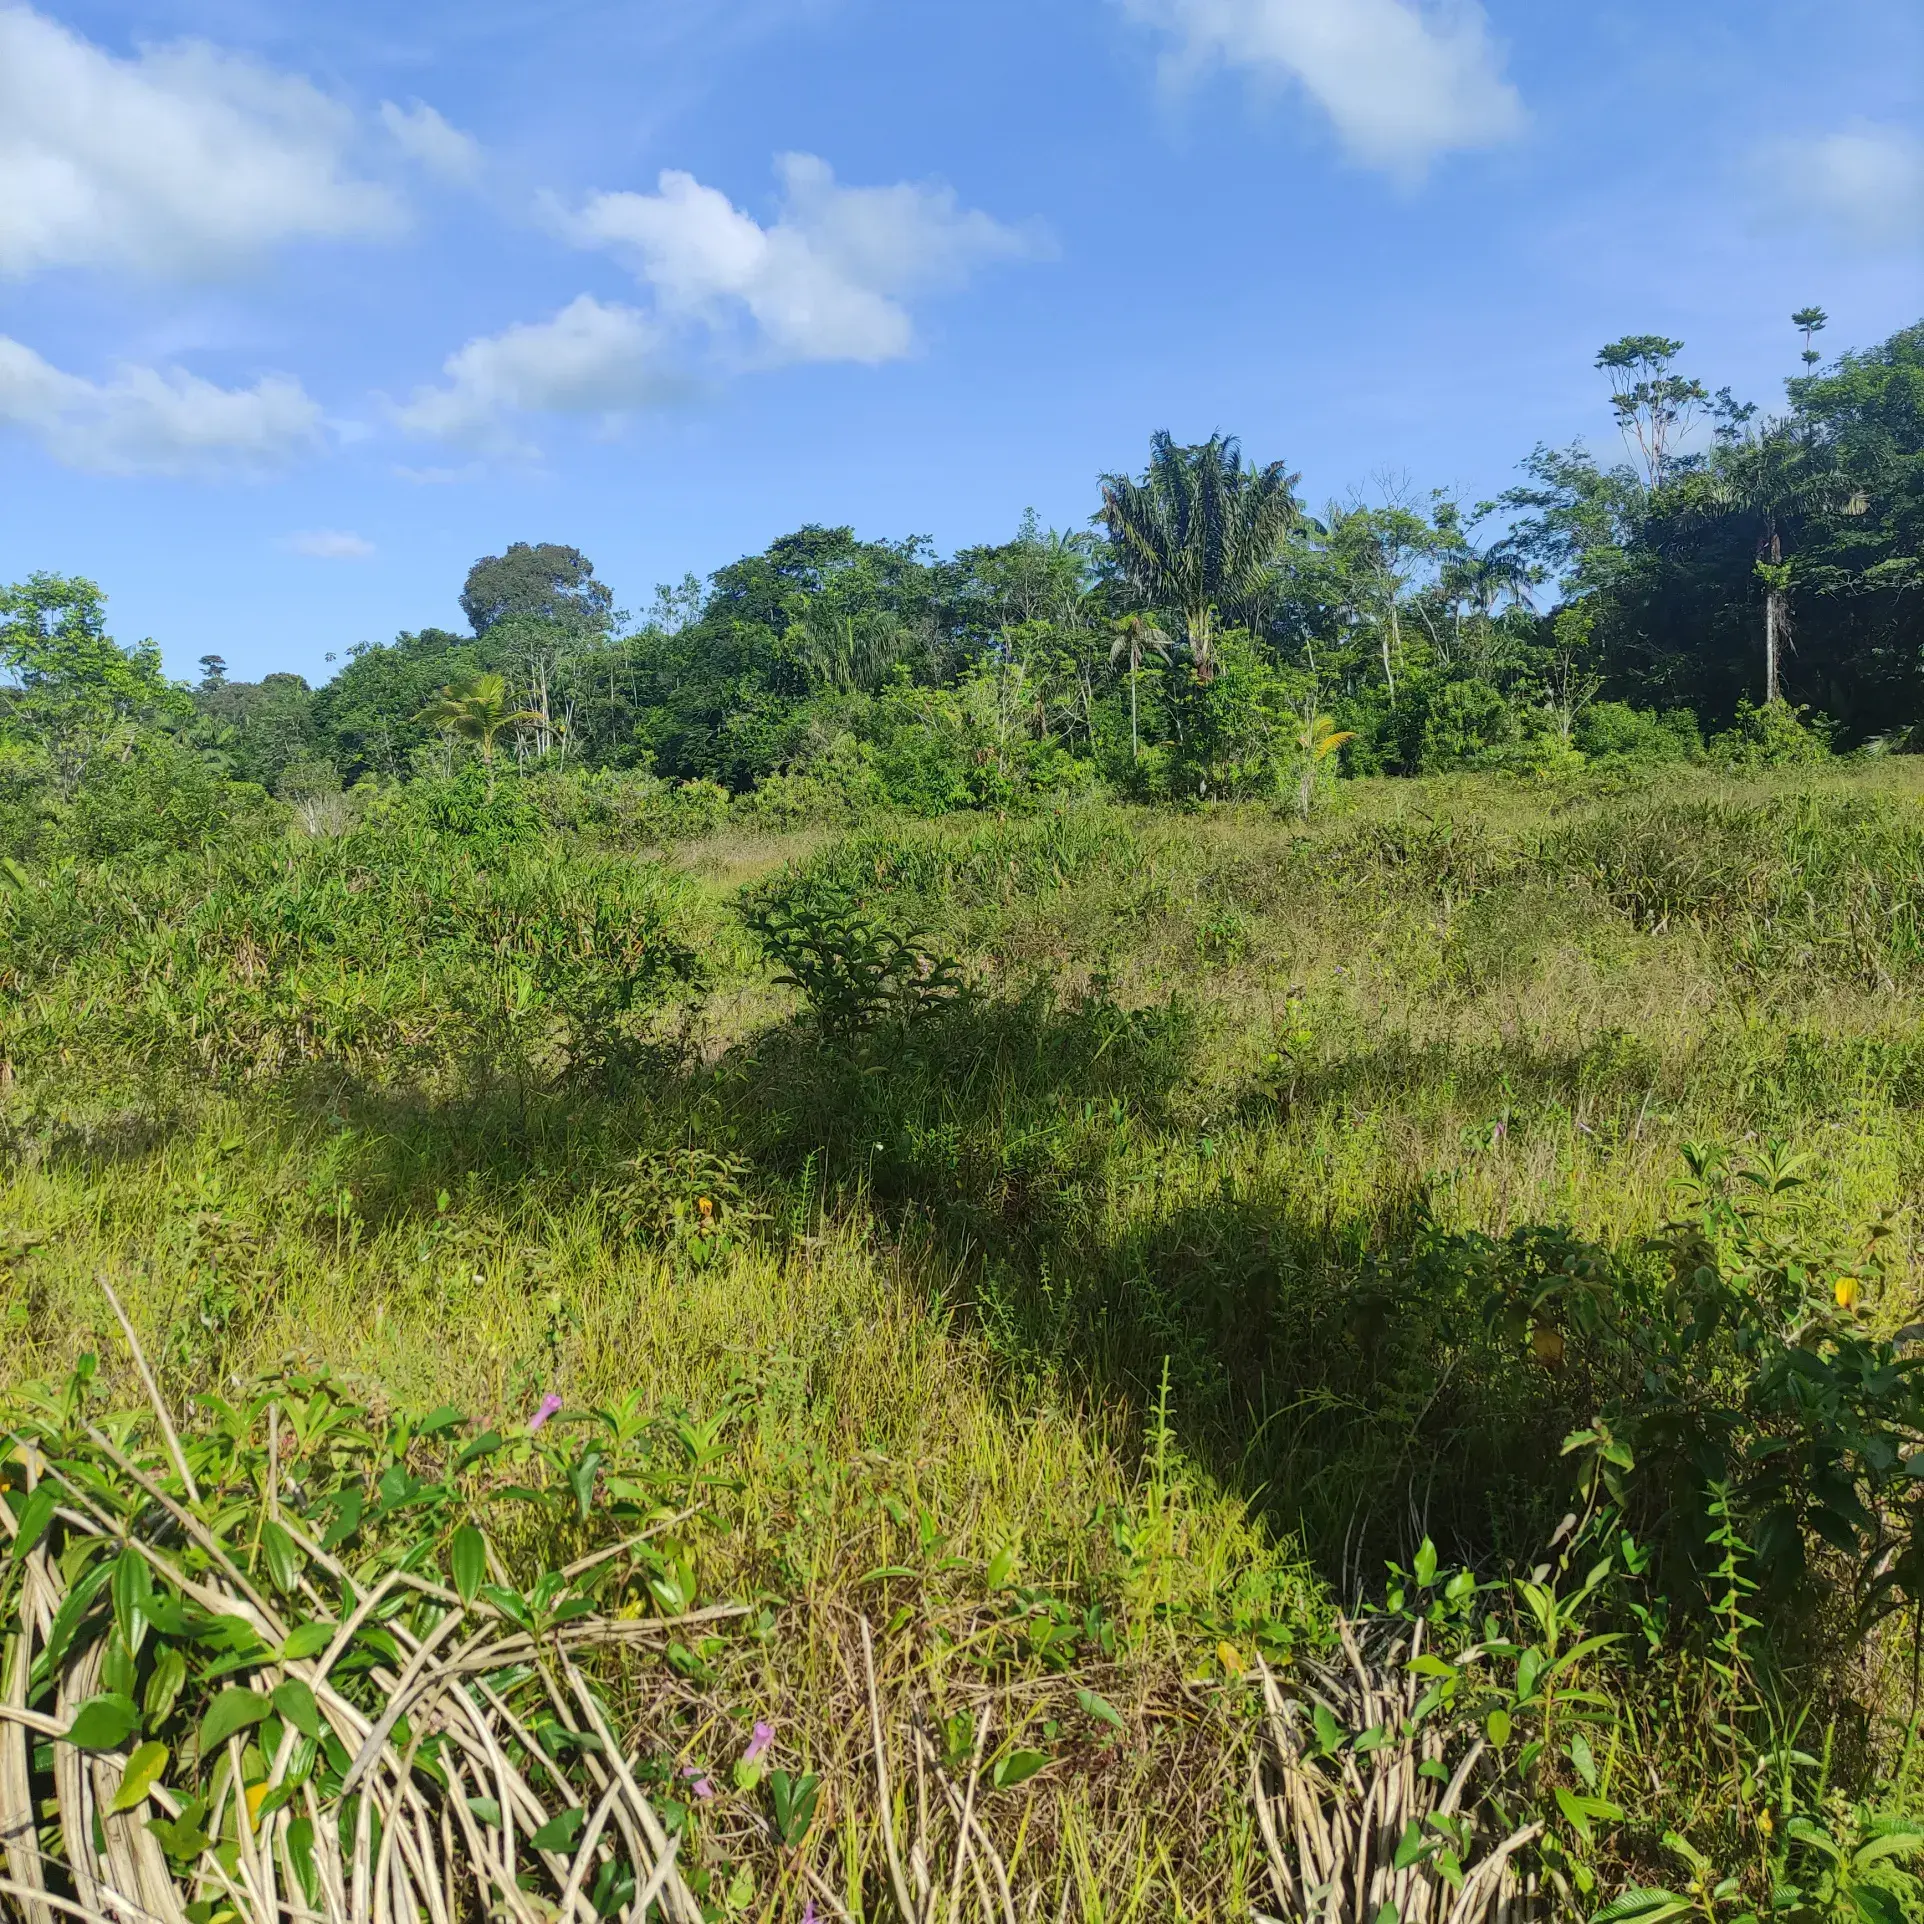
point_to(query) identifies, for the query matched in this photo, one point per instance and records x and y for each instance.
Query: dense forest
(1748, 588)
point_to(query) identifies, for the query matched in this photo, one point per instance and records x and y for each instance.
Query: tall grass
(1103, 1302)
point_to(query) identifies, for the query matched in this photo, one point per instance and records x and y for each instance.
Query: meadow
(1096, 1250)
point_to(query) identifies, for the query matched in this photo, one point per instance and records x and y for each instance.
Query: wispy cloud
(1403, 82)
(429, 141)
(156, 421)
(330, 544)
(1863, 185)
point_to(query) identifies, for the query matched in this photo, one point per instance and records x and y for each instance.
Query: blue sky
(303, 309)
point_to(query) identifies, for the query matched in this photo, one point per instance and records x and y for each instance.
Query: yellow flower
(1231, 1659)
(256, 1796)
(706, 1205)
(1765, 1821)
(1848, 1290)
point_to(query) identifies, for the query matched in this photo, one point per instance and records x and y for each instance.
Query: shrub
(851, 969)
(1615, 735)
(1773, 736)
(1467, 724)
(161, 796)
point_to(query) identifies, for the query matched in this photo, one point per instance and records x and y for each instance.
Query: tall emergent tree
(1653, 405)
(1200, 534)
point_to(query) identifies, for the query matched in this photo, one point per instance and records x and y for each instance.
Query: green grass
(1101, 1290)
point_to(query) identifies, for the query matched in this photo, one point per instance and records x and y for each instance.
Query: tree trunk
(1773, 626)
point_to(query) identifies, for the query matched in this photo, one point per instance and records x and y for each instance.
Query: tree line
(1744, 584)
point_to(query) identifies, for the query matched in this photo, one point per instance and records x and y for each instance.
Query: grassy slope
(1216, 1069)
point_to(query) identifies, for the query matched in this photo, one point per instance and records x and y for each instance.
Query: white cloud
(180, 161)
(1404, 81)
(330, 544)
(590, 358)
(825, 282)
(425, 138)
(1866, 186)
(155, 420)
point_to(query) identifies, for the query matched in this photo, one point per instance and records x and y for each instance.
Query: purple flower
(758, 1744)
(550, 1406)
(699, 1782)
(808, 1912)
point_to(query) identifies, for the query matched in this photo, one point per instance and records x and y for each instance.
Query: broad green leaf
(1875, 1905)
(1426, 1563)
(347, 1519)
(133, 1586)
(1411, 1847)
(308, 1640)
(300, 1853)
(1329, 1733)
(104, 1722)
(1101, 1709)
(1643, 1906)
(468, 1558)
(141, 1775)
(483, 1445)
(34, 1519)
(1017, 1768)
(232, 1710)
(1497, 1727)
(283, 1558)
(559, 1832)
(164, 1685)
(445, 1418)
(1001, 1567)
(295, 1701)
(486, 1811)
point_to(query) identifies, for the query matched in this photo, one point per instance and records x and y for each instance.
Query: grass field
(1078, 1338)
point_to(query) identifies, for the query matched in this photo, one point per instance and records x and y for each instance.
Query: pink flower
(550, 1406)
(808, 1912)
(758, 1744)
(699, 1782)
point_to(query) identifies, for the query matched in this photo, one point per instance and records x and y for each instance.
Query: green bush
(852, 969)
(1612, 734)
(391, 948)
(1775, 735)
(1467, 725)
(161, 796)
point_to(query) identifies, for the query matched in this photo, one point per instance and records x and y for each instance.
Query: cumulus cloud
(591, 358)
(181, 160)
(1404, 81)
(426, 139)
(330, 544)
(1865, 186)
(155, 420)
(826, 281)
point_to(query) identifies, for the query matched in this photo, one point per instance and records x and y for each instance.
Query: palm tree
(1317, 740)
(1200, 533)
(477, 711)
(1136, 636)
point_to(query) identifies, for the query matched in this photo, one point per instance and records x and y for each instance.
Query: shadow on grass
(1316, 1360)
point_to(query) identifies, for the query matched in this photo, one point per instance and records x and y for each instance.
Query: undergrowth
(1094, 1248)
